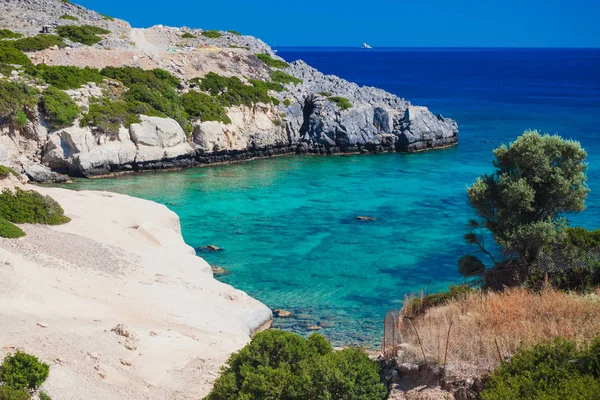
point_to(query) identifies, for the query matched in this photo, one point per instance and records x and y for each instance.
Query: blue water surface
(288, 224)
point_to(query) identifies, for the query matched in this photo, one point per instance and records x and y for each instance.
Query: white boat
(366, 46)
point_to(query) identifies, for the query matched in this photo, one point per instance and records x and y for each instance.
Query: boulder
(159, 138)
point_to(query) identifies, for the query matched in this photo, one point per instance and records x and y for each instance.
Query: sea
(288, 225)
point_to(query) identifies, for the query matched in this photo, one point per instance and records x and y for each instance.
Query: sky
(399, 23)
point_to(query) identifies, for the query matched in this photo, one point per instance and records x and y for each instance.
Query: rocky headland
(293, 108)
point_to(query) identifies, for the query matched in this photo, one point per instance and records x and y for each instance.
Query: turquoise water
(288, 225)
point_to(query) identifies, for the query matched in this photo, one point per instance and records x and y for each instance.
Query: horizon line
(441, 47)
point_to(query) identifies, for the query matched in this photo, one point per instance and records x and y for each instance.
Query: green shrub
(283, 78)
(555, 370)
(10, 55)
(21, 119)
(8, 393)
(325, 94)
(15, 97)
(23, 371)
(5, 171)
(287, 102)
(582, 238)
(65, 77)
(239, 47)
(10, 231)
(418, 305)
(38, 42)
(107, 17)
(205, 107)
(44, 396)
(85, 34)
(188, 35)
(231, 91)
(271, 62)
(59, 108)
(155, 79)
(283, 365)
(212, 34)
(342, 102)
(8, 34)
(109, 115)
(69, 17)
(30, 207)
(6, 69)
(236, 33)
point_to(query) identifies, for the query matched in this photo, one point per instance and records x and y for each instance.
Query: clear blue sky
(443, 23)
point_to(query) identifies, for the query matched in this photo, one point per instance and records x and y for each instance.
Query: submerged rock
(283, 313)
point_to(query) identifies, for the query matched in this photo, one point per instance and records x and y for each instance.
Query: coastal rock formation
(310, 113)
(117, 303)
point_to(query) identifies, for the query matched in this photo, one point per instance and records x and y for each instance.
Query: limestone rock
(159, 138)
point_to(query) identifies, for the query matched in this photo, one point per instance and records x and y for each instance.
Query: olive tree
(538, 179)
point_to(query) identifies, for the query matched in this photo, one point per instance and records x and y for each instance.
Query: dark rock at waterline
(283, 314)
(365, 218)
(209, 248)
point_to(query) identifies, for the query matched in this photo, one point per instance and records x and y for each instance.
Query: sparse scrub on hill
(551, 370)
(15, 98)
(236, 33)
(287, 102)
(30, 207)
(205, 107)
(64, 77)
(212, 34)
(8, 34)
(36, 43)
(9, 230)
(107, 17)
(417, 305)
(85, 34)
(156, 78)
(11, 55)
(283, 78)
(23, 371)
(342, 102)
(188, 35)
(231, 91)
(6, 171)
(69, 17)
(59, 108)
(272, 62)
(107, 115)
(6, 69)
(239, 47)
(512, 319)
(283, 365)
(325, 94)
(8, 393)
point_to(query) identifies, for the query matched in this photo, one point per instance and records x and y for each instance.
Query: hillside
(224, 97)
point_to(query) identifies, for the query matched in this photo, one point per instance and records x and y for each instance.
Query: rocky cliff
(299, 110)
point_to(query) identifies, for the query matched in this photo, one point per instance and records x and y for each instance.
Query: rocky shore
(304, 117)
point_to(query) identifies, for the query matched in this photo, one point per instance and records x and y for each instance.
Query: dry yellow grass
(511, 318)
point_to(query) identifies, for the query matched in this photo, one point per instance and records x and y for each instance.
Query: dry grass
(511, 318)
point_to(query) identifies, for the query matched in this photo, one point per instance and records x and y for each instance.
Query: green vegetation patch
(8, 393)
(6, 69)
(271, 62)
(23, 371)
(30, 207)
(69, 17)
(231, 91)
(287, 102)
(109, 115)
(107, 17)
(85, 34)
(65, 77)
(342, 102)
(36, 43)
(156, 78)
(239, 47)
(9, 230)
(188, 35)
(582, 238)
(59, 108)
(8, 34)
(212, 34)
(553, 370)
(283, 365)
(325, 94)
(418, 305)
(283, 78)
(5, 171)
(236, 33)
(205, 107)
(11, 55)
(15, 98)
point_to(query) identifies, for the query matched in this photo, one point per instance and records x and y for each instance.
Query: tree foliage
(285, 366)
(23, 371)
(538, 179)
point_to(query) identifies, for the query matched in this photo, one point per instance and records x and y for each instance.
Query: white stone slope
(121, 260)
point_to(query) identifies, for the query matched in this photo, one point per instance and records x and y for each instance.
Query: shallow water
(288, 224)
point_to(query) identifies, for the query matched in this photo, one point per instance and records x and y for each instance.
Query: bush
(85, 34)
(8, 393)
(236, 33)
(65, 77)
(239, 47)
(21, 119)
(271, 62)
(10, 55)
(283, 78)
(38, 42)
(212, 34)
(231, 91)
(188, 35)
(582, 238)
(418, 305)
(8, 34)
(554, 370)
(325, 94)
(155, 79)
(287, 102)
(44, 396)
(109, 115)
(9, 230)
(5, 171)
(15, 97)
(30, 207)
(342, 102)
(283, 365)
(107, 17)
(59, 108)
(23, 371)
(205, 107)
(69, 17)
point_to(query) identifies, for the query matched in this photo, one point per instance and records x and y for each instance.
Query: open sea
(288, 224)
